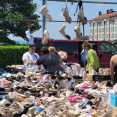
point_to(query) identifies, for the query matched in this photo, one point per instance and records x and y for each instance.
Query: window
(95, 30)
(115, 35)
(102, 23)
(102, 29)
(99, 23)
(108, 48)
(100, 36)
(69, 47)
(91, 24)
(112, 22)
(115, 29)
(95, 36)
(116, 22)
(91, 30)
(107, 36)
(94, 46)
(112, 29)
(107, 22)
(107, 29)
(112, 35)
(95, 23)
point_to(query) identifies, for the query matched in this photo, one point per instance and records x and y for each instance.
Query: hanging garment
(29, 36)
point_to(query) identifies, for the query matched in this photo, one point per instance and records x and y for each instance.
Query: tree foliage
(83, 38)
(17, 9)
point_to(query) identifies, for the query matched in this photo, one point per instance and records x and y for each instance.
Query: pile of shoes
(58, 95)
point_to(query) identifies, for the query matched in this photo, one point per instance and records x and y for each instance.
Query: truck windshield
(108, 48)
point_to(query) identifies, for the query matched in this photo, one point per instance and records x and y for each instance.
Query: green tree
(83, 38)
(17, 9)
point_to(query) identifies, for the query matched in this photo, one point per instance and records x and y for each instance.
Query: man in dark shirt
(50, 61)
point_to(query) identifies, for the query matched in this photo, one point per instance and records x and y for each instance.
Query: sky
(55, 10)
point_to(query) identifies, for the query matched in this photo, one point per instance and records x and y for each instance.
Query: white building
(104, 26)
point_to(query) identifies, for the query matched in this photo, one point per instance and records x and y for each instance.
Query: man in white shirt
(30, 56)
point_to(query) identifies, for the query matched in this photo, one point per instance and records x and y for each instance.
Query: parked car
(104, 49)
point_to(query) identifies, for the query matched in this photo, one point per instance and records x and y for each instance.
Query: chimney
(100, 13)
(111, 10)
(107, 11)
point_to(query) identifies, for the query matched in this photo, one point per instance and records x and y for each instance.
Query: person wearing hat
(92, 58)
(50, 61)
(30, 56)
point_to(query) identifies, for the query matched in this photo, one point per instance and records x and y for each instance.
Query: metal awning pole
(84, 48)
(43, 28)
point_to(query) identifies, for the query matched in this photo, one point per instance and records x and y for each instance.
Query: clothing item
(115, 75)
(92, 59)
(50, 62)
(31, 57)
(82, 56)
(29, 36)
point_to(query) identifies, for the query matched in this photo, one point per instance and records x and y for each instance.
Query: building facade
(104, 26)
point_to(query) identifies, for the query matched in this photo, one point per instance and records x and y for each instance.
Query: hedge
(10, 55)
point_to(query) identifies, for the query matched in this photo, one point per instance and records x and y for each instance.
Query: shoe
(49, 111)
(108, 111)
(49, 17)
(77, 30)
(47, 86)
(62, 31)
(44, 10)
(31, 111)
(65, 114)
(18, 98)
(27, 102)
(38, 110)
(66, 15)
(24, 115)
(46, 37)
(4, 102)
(69, 93)
(81, 17)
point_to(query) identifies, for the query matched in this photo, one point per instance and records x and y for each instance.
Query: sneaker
(77, 30)
(81, 17)
(46, 37)
(4, 102)
(62, 31)
(49, 17)
(44, 10)
(66, 15)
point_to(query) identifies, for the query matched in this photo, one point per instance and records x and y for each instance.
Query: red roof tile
(106, 16)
